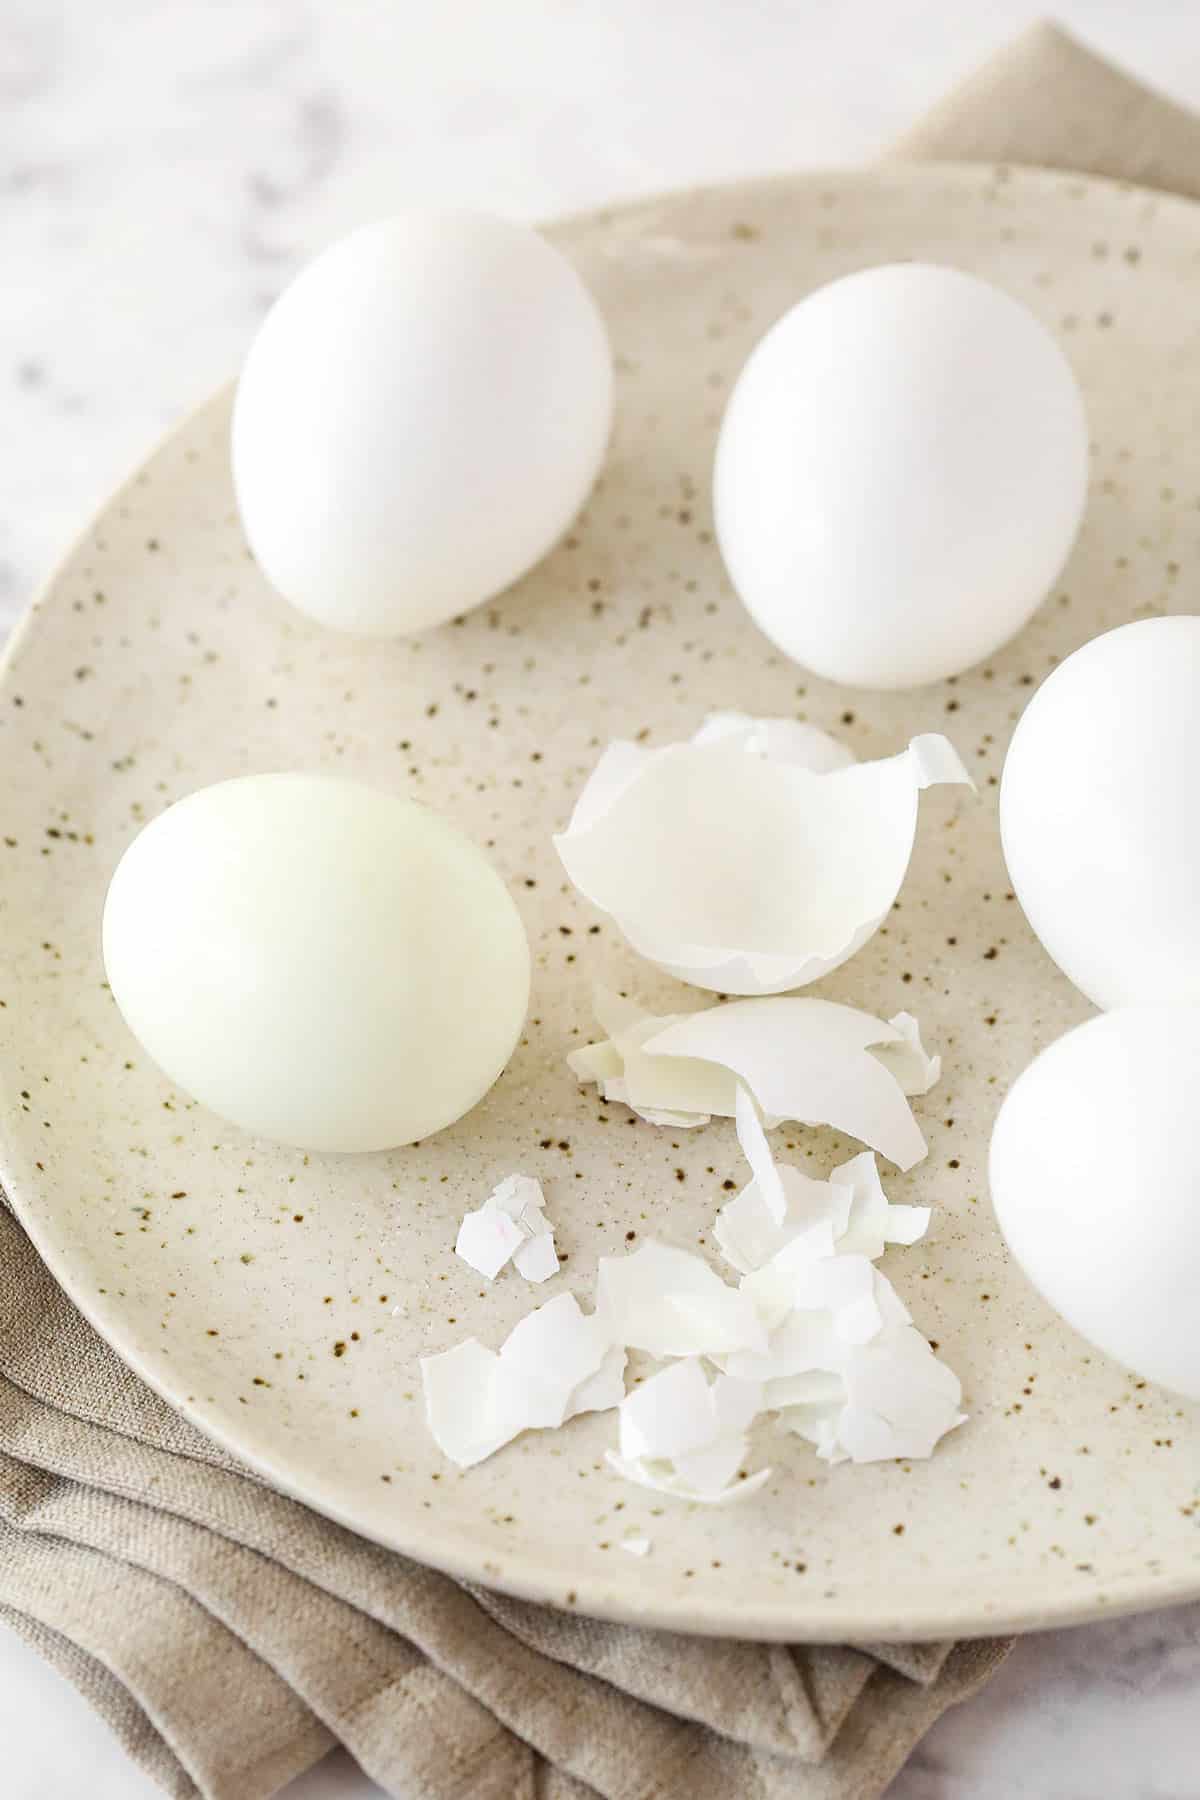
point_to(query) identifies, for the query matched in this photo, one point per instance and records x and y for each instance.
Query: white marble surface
(164, 167)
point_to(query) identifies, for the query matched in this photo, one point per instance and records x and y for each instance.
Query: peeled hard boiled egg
(900, 474)
(1096, 1184)
(317, 962)
(1100, 813)
(420, 417)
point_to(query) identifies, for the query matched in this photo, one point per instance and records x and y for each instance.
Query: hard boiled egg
(1095, 1180)
(900, 474)
(317, 962)
(420, 417)
(1100, 813)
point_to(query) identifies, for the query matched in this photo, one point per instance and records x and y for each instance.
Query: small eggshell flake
(557, 1362)
(798, 1343)
(900, 1400)
(871, 1220)
(753, 1141)
(747, 1232)
(420, 417)
(662, 1090)
(671, 1303)
(680, 1434)
(796, 1282)
(669, 1413)
(535, 1259)
(510, 1225)
(907, 1057)
(487, 1239)
(754, 858)
(815, 1388)
(553, 1351)
(318, 962)
(468, 1412)
(603, 1390)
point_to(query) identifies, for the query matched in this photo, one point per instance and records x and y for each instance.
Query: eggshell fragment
(849, 1289)
(557, 1362)
(907, 1058)
(662, 1090)
(467, 1408)
(900, 1400)
(671, 1303)
(814, 1333)
(872, 1221)
(509, 1225)
(557, 1344)
(535, 1257)
(682, 1435)
(817, 1388)
(603, 1390)
(807, 1060)
(756, 1150)
(670, 1413)
(486, 1240)
(857, 1379)
(799, 1343)
(754, 858)
(782, 1203)
(748, 1235)
(707, 1477)
(798, 1058)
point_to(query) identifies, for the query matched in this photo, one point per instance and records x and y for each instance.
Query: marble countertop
(163, 170)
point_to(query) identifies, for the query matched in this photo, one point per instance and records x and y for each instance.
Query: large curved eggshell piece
(420, 417)
(1100, 813)
(755, 858)
(1095, 1179)
(318, 962)
(900, 474)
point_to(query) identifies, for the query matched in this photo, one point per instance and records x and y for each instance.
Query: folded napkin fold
(229, 1636)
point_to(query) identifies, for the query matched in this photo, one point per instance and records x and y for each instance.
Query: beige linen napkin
(230, 1637)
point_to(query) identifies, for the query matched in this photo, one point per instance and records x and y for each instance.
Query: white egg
(420, 417)
(900, 474)
(317, 962)
(1095, 1177)
(1100, 813)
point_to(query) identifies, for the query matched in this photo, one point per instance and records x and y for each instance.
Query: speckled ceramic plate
(281, 1301)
